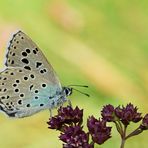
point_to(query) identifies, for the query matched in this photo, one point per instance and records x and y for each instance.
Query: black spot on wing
(12, 62)
(22, 95)
(20, 102)
(17, 81)
(41, 105)
(31, 87)
(28, 50)
(25, 78)
(32, 76)
(28, 105)
(24, 60)
(36, 91)
(5, 90)
(13, 54)
(34, 51)
(24, 54)
(20, 70)
(42, 71)
(36, 97)
(14, 85)
(38, 64)
(2, 97)
(16, 90)
(5, 78)
(44, 85)
(27, 67)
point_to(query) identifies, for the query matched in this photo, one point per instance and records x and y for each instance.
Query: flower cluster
(124, 114)
(128, 114)
(69, 122)
(107, 113)
(98, 130)
(66, 115)
(74, 136)
(122, 117)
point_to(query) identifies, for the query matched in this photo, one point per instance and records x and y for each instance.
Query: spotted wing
(23, 52)
(24, 93)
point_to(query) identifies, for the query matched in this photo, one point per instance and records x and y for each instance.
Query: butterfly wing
(23, 93)
(23, 52)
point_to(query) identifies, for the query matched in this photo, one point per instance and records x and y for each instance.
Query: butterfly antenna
(79, 85)
(81, 92)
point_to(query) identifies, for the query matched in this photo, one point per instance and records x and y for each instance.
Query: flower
(70, 115)
(66, 115)
(144, 125)
(108, 113)
(74, 137)
(55, 123)
(128, 114)
(98, 130)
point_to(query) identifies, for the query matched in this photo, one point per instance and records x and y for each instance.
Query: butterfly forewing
(23, 52)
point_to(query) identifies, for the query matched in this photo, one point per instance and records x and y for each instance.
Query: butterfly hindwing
(21, 94)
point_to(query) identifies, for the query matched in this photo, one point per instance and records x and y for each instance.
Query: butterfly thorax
(60, 97)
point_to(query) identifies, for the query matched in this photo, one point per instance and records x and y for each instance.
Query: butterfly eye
(68, 91)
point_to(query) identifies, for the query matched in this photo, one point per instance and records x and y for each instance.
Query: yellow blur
(103, 44)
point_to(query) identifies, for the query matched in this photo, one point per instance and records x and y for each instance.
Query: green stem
(119, 127)
(134, 133)
(122, 143)
(123, 137)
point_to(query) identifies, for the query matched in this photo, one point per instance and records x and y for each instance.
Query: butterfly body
(29, 84)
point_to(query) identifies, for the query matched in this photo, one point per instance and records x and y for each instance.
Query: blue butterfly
(29, 84)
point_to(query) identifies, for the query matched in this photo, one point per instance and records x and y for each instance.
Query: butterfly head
(67, 91)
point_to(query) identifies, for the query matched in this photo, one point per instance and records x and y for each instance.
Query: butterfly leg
(69, 102)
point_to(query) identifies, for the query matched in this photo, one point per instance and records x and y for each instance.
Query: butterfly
(29, 83)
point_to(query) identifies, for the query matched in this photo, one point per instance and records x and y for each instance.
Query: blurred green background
(100, 43)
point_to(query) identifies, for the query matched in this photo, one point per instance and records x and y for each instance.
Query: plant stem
(134, 133)
(123, 137)
(122, 143)
(119, 127)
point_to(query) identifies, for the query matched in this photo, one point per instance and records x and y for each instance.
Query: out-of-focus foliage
(100, 43)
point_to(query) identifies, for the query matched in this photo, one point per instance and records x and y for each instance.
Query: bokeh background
(100, 43)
